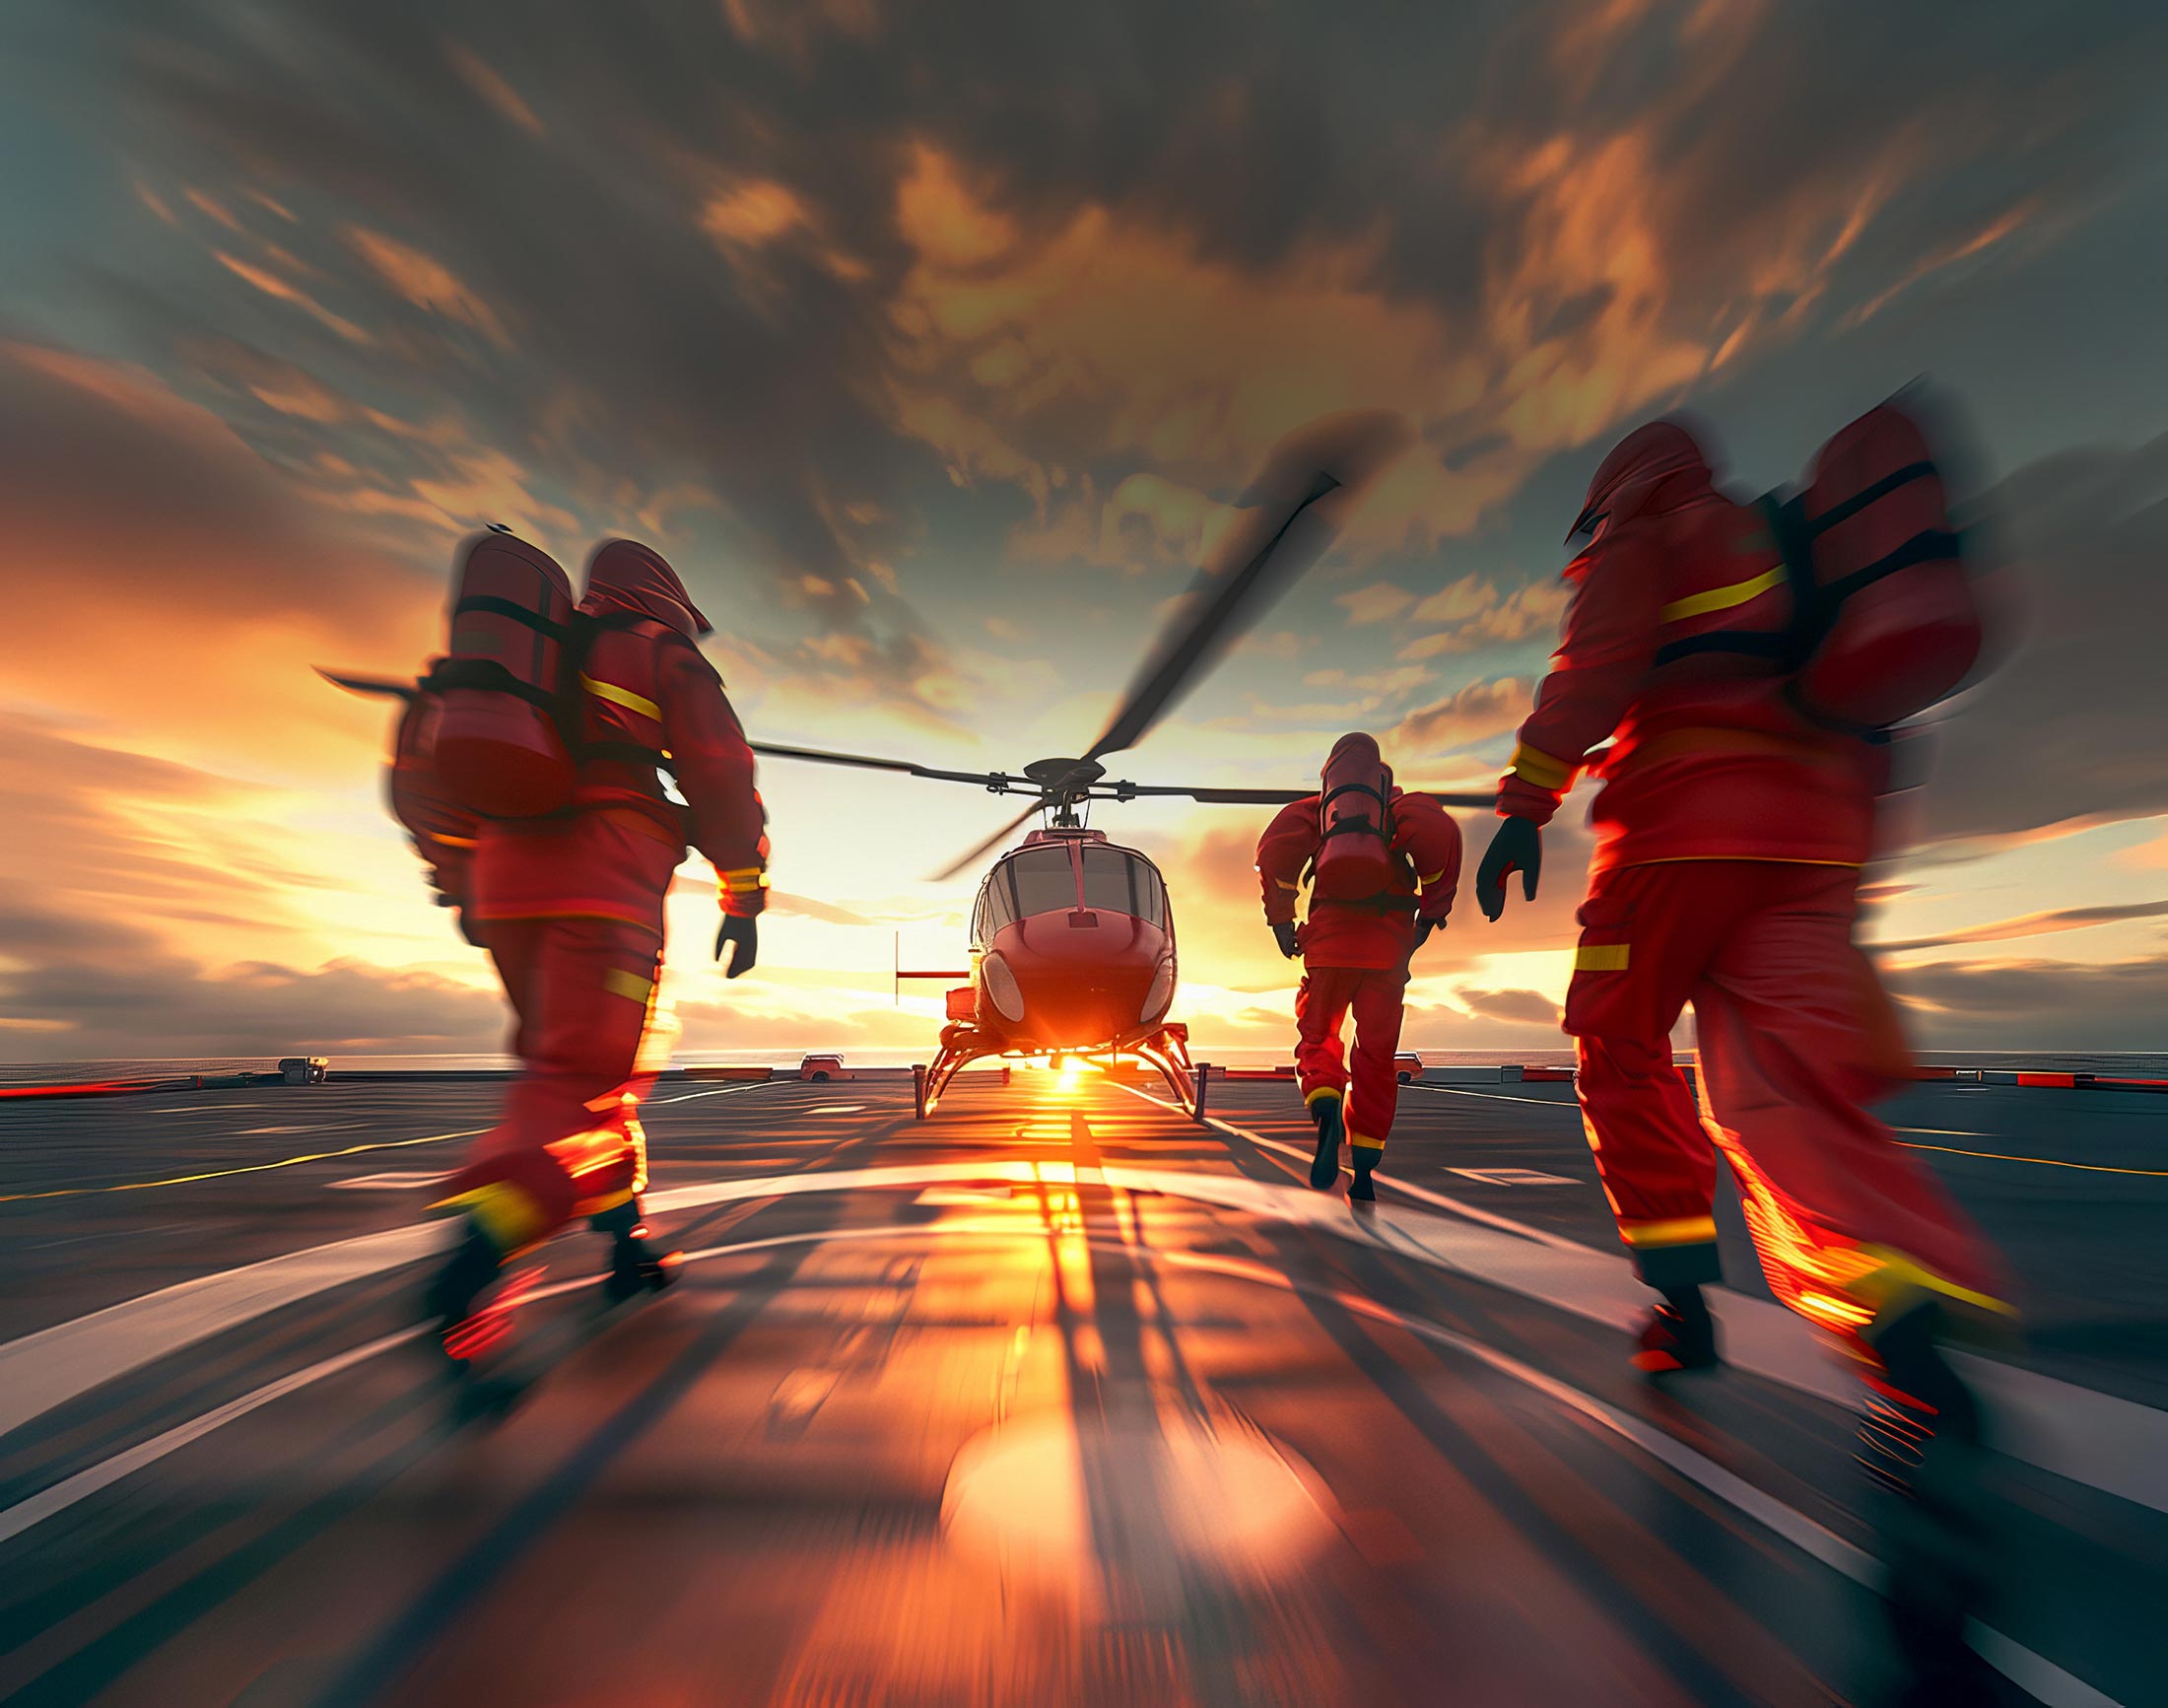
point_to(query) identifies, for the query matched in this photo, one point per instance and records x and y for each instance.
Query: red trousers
(569, 1141)
(1794, 1033)
(1322, 1007)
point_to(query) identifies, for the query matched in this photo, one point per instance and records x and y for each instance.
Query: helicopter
(1072, 935)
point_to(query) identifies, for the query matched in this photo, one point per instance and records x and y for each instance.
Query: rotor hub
(1062, 773)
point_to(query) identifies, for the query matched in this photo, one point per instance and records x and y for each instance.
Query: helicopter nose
(1082, 977)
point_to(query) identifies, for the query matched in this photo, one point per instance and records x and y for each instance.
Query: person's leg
(1795, 1033)
(1646, 931)
(1321, 1061)
(1378, 1002)
(565, 1145)
(1854, 1235)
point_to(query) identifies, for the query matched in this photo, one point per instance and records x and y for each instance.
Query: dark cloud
(1529, 1007)
(98, 990)
(2051, 1005)
(2068, 729)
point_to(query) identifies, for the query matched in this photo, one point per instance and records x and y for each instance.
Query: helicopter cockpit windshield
(1118, 880)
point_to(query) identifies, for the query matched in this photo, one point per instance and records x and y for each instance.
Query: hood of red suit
(625, 576)
(1663, 451)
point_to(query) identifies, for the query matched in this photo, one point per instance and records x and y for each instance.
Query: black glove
(1284, 935)
(1518, 847)
(1423, 930)
(746, 935)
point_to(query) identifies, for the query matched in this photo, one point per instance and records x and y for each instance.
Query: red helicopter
(1072, 937)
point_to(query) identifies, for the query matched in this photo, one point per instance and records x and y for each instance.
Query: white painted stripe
(2114, 1445)
(47, 1502)
(54, 1365)
(2039, 1676)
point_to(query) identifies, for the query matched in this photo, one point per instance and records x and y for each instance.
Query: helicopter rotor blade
(822, 756)
(1293, 510)
(1278, 796)
(389, 687)
(980, 850)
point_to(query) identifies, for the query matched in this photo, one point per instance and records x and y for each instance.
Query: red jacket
(647, 696)
(1426, 844)
(1711, 759)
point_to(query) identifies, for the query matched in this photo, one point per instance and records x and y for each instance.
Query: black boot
(637, 1264)
(1920, 1444)
(464, 1278)
(1324, 1167)
(1679, 1334)
(1361, 1192)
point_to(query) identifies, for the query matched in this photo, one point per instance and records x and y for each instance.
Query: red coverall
(571, 907)
(1730, 835)
(1355, 955)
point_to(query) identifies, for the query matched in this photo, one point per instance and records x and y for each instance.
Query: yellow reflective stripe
(1359, 1142)
(1896, 1275)
(1721, 599)
(1426, 882)
(1684, 1231)
(743, 878)
(1540, 768)
(456, 840)
(619, 983)
(1292, 889)
(1321, 1091)
(623, 697)
(506, 1215)
(1601, 957)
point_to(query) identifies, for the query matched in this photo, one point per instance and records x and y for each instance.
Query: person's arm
(1288, 845)
(714, 774)
(1426, 832)
(1602, 660)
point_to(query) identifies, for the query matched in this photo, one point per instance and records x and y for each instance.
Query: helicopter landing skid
(1166, 1048)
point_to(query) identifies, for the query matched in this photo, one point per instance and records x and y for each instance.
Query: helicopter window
(994, 910)
(1109, 880)
(1043, 881)
(1151, 893)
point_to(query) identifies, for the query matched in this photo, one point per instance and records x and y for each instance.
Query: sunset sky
(927, 340)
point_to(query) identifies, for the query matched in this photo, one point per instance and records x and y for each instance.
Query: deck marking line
(2033, 1672)
(2117, 1446)
(2113, 1445)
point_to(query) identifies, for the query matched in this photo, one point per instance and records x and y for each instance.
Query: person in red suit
(570, 908)
(1730, 830)
(1355, 956)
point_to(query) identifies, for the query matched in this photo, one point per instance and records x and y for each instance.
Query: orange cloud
(754, 213)
(271, 285)
(1476, 713)
(424, 282)
(491, 85)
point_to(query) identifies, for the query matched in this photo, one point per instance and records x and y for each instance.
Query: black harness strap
(1752, 643)
(1923, 548)
(489, 676)
(1858, 501)
(518, 613)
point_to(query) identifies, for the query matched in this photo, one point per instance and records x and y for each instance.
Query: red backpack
(1354, 857)
(500, 750)
(1886, 623)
